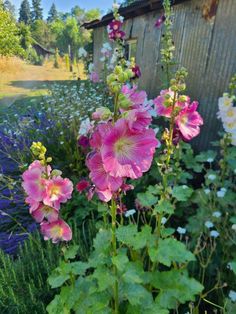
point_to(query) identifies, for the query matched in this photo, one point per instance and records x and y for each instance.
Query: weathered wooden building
(204, 34)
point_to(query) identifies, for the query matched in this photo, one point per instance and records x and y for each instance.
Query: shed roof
(137, 8)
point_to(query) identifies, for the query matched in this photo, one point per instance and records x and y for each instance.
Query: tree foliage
(24, 13)
(9, 36)
(52, 14)
(37, 11)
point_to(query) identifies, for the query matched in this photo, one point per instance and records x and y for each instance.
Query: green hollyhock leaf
(134, 273)
(102, 240)
(79, 268)
(137, 295)
(233, 219)
(166, 232)
(56, 280)
(71, 252)
(182, 192)
(175, 287)
(232, 266)
(130, 236)
(208, 156)
(164, 207)
(120, 260)
(147, 199)
(105, 278)
(153, 309)
(102, 208)
(170, 250)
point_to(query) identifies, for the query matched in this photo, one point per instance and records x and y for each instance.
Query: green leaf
(170, 250)
(105, 278)
(130, 236)
(137, 295)
(134, 273)
(102, 208)
(71, 252)
(120, 260)
(206, 156)
(147, 199)
(164, 207)
(57, 280)
(102, 240)
(232, 266)
(233, 219)
(182, 192)
(175, 287)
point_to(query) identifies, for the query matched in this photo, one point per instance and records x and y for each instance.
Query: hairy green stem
(114, 253)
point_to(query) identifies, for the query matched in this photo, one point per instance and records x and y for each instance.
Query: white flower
(216, 214)
(212, 177)
(130, 212)
(163, 220)
(207, 191)
(234, 227)
(232, 295)
(107, 46)
(210, 160)
(209, 224)
(181, 230)
(214, 233)
(221, 192)
(82, 53)
(85, 127)
(225, 102)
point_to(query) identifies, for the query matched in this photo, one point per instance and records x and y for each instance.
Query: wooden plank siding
(207, 48)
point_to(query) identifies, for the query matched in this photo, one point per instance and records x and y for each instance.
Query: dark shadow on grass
(34, 85)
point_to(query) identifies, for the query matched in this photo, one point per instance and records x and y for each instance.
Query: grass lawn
(19, 80)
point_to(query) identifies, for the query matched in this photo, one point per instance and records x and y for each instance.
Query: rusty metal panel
(204, 33)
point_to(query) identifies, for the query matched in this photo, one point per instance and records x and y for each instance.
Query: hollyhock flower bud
(136, 71)
(160, 21)
(83, 141)
(56, 230)
(102, 113)
(82, 185)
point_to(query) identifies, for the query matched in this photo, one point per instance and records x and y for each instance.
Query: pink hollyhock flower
(56, 230)
(161, 108)
(188, 121)
(50, 213)
(163, 103)
(104, 196)
(101, 131)
(98, 175)
(115, 25)
(114, 35)
(58, 190)
(83, 141)
(136, 98)
(160, 21)
(94, 77)
(33, 204)
(33, 183)
(138, 120)
(82, 185)
(137, 72)
(127, 154)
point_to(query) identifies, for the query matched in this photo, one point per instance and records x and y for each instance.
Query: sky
(66, 5)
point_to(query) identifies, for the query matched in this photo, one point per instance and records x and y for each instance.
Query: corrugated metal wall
(206, 47)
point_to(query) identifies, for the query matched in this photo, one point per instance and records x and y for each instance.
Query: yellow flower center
(123, 146)
(55, 191)
(227, 102)
(56, 232)
(230, 113)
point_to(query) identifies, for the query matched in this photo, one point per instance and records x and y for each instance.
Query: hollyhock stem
(114, 249)
(116, 98)
(172, 122)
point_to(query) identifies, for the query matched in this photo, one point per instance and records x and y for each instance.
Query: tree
(8, 6)
(25, 35)
(9, 37)
(52, 14)
(24, 14)
(41, 32)
(37, 11)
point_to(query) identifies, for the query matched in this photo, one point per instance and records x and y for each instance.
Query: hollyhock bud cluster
(160, 21)
(46, 190)
(227, 114)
